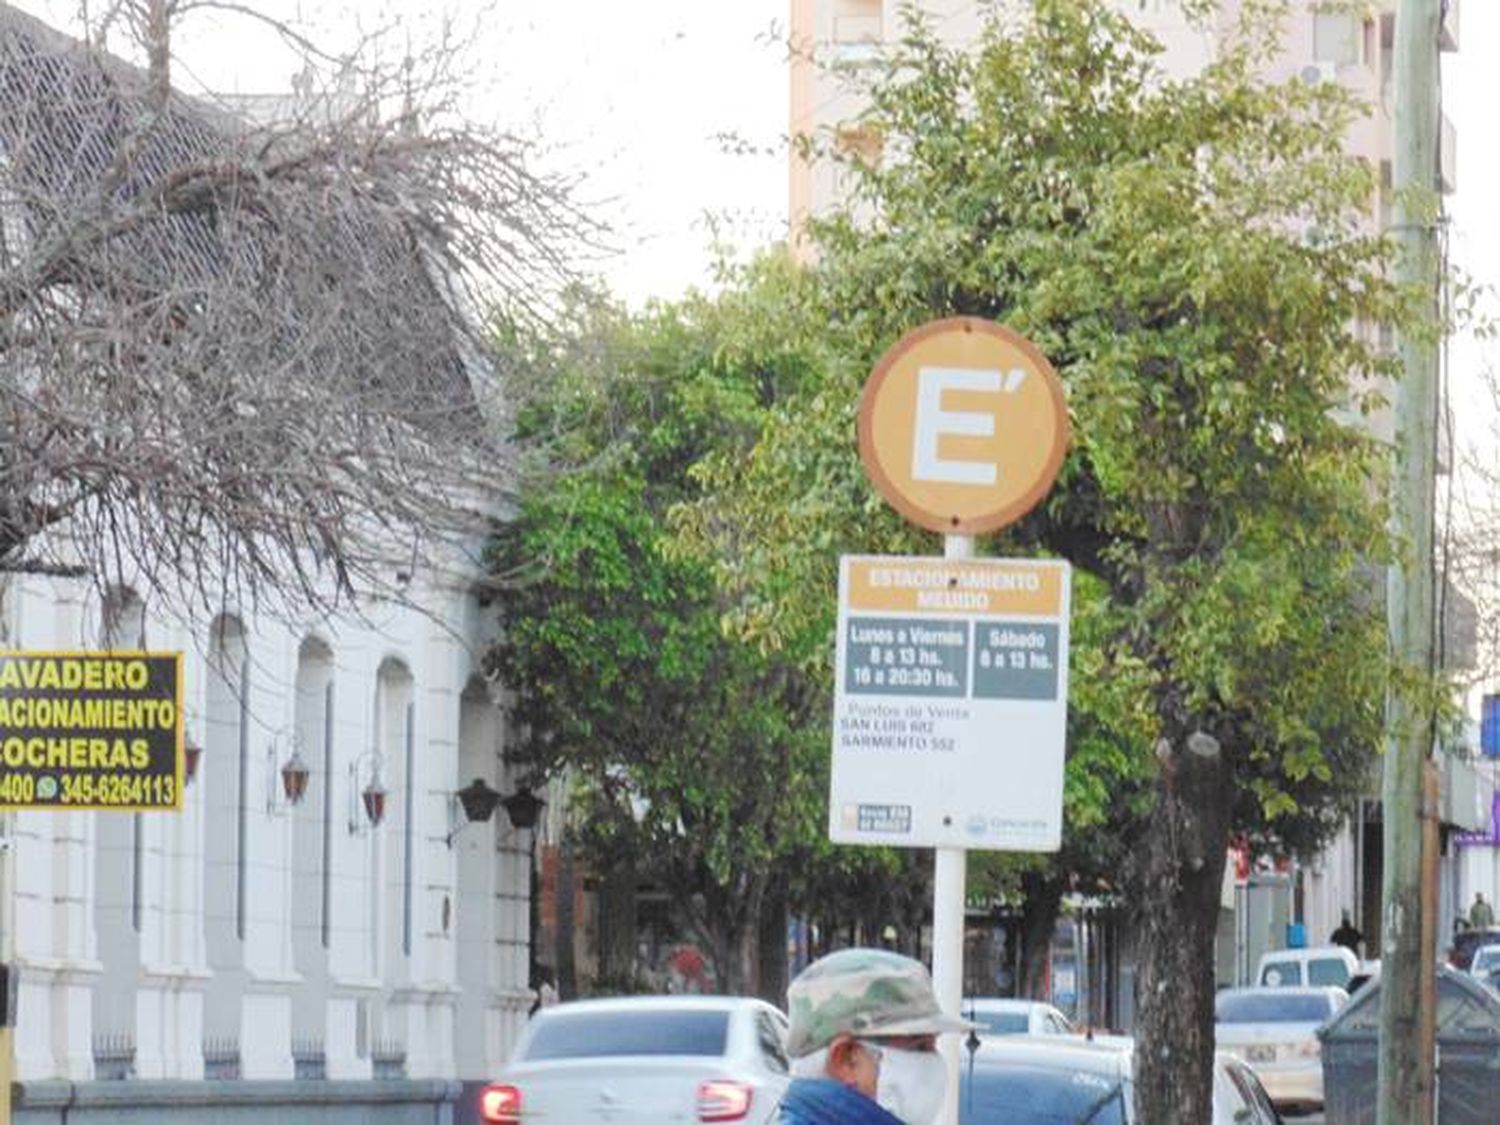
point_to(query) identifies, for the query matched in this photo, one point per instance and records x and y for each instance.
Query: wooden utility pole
(1405, 1062)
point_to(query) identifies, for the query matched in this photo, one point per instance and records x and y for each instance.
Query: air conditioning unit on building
(1315, 72)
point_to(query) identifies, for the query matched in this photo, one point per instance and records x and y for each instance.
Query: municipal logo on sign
(963, 426)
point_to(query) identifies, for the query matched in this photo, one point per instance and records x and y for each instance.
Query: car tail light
(500, 1105)
(722, 1099)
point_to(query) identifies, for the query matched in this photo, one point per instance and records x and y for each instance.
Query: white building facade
(248, 938)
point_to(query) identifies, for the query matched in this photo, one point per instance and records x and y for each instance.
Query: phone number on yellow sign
(97, 790)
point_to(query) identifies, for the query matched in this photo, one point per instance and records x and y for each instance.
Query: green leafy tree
(688, 749)
(1194, 257)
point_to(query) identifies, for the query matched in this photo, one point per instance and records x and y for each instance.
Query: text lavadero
(91, 730)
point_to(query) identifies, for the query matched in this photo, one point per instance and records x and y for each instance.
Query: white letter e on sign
(933, 422)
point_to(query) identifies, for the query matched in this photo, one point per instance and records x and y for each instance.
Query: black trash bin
(1468, 1050)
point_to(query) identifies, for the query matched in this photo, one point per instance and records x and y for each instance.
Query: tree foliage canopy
(1198, 258)
(694, 757)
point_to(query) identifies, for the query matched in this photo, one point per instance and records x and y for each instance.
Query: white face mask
(911, 1084)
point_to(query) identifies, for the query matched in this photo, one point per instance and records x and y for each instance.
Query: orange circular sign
(963, 426)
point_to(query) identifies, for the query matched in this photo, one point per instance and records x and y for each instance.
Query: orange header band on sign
(959, 588)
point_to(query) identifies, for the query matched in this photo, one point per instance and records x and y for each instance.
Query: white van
(1320, 965)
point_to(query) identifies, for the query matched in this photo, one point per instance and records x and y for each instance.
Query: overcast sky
(637, 95)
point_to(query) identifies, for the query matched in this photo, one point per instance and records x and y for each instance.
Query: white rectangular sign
(950, 705)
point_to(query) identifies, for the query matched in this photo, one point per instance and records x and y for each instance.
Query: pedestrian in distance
(1347, 935)
(1481, 914)
(863, 1042)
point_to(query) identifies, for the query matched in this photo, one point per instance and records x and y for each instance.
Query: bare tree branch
(251, 343)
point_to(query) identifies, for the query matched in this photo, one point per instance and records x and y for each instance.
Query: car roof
(1307, 952)
(656, 1004)
(1287, 990)
(1059, 1051)
(1477, 937)
(1002, 1004)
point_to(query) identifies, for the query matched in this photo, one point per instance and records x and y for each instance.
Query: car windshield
(1328, 971)
(1041, 1096)
(1000, 1023)
(1274, 1006)
(1486, 956)
(581, 1035)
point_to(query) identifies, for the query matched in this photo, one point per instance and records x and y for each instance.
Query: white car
(1016, 1017)
(1486, 960)
(641, 1059)
(1275, 1031)
(1326, 965)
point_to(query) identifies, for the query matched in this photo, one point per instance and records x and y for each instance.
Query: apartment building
(1353, 49)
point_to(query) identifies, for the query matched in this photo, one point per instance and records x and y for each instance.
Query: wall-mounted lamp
(366, 794)
(476, 800)
(293, 787)
(191, 752)
(523, 807)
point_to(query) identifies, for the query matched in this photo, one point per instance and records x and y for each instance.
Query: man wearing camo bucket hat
(863, 1042)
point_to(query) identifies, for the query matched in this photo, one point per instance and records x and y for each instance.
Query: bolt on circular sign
(963, 426)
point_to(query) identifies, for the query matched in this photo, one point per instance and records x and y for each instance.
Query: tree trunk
(1178, 903)
(1042, 891)
(618, 970)
(567, 954)
(727, 925)
(772, 941)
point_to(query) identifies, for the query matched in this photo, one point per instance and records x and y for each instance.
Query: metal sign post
(950, 876)
(951, 685)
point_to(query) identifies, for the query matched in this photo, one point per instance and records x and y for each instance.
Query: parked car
(1045, 1080)
(1485, 960)
(1315, 965)
(1056, 1080)
(1275, 1031)
(1016, 1017)
(1465, 942)
(644, 1059)
(1239, 1096)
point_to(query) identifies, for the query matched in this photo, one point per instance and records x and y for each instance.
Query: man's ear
(843, 1059)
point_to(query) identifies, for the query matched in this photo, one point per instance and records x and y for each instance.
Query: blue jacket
(822, 1101)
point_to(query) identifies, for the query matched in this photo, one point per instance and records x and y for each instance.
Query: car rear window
(1281, 973)
(1001, 1023)
(1273, 1006)
(588, 1035)
(1040, 1096)
(1326, 972)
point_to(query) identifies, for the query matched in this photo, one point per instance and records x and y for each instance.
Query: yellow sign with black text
(91, 730)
